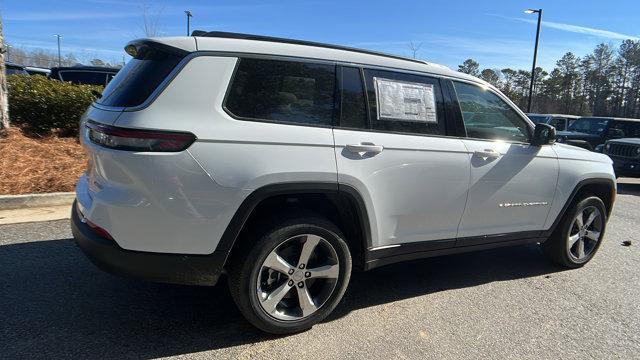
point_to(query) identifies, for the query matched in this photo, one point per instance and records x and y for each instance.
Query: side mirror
(543, 134)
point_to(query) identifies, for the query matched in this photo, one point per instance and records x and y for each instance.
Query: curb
(11, 202)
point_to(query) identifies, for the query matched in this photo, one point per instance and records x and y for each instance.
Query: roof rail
(232, 35)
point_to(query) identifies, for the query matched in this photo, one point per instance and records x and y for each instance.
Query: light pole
(535, 54)
(8, 50)
(59, 57)
(189, 15)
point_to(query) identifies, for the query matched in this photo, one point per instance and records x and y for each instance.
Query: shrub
(41, 105)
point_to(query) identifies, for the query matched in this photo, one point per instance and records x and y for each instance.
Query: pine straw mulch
(33, 164)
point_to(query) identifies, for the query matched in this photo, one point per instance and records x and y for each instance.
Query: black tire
(247, 263)
(556, 247)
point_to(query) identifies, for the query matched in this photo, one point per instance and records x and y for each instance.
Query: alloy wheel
(297, 277)
(584, 233)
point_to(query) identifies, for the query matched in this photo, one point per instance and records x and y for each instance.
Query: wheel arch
(342, 204)
(604, 188)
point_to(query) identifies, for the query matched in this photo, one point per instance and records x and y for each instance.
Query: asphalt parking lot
(504, 303)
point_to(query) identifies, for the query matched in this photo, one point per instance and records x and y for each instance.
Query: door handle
(365, 147)
(487, 153)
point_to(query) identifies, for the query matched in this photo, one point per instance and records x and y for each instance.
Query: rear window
(138, 79)
(84, 77)
(283, 91)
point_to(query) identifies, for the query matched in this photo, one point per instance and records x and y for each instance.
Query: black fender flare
(249, 204)
(579, 186)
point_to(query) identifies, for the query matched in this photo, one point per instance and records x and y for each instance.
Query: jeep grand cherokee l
(285, 164)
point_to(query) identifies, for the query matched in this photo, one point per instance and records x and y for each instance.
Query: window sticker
(407, 101)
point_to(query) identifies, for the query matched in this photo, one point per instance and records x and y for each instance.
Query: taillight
(119, 138)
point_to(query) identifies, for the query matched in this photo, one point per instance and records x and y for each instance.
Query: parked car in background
(625, 154)
(15, 69)
(89, 75)
(34, 70)
(589, 132)
(284, 164)
(558, 121)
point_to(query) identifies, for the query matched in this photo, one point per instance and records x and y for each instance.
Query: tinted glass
(558, 123)
(133, 84)
(594, 126)
(353, 107)
(629, 129)
(14, 70)
(84, 77)
(486, 116)
(538, 118)
(415, 113)
(283, 91)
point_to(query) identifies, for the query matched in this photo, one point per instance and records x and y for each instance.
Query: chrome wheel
(584, 233)
(297, 277)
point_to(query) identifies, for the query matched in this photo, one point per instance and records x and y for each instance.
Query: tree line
(49, 59)
(605, 82)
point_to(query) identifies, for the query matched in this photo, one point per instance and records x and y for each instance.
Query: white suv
(285, 164)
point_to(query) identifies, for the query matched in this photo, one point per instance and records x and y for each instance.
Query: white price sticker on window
(408, 101)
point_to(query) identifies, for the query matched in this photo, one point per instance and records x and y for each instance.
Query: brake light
(119, 138)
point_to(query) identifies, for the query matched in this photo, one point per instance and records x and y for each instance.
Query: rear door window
(353, 109)
(405, 103)
(283, 91)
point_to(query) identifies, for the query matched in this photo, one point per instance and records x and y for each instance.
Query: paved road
(505, 303)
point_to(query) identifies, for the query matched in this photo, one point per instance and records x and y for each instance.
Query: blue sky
(496, 33)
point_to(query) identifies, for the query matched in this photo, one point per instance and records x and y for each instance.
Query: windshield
(538, 118)
(589, 125)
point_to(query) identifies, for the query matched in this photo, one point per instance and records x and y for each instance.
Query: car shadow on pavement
(55, 303)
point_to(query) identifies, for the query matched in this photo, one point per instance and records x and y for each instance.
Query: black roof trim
(85, 67)
(232, 35)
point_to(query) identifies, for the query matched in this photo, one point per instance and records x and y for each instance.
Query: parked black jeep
(91, 75)
(625, 154)
(558, 121)
(589, 132)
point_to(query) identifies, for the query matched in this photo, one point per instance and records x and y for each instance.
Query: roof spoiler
(147, 48)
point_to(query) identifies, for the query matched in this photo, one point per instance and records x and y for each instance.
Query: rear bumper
(158, 267)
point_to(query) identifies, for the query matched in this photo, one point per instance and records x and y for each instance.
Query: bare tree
(414, 47)
(150, 19)
(4, 97)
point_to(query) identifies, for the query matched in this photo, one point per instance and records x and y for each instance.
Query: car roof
(558, 115)
(610, 118)
(91, 68)
(13, 65)
(265, 45)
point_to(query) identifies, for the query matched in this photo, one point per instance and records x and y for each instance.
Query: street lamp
(59, 57)
(189, 15)
(535, 54)
(8, 51)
